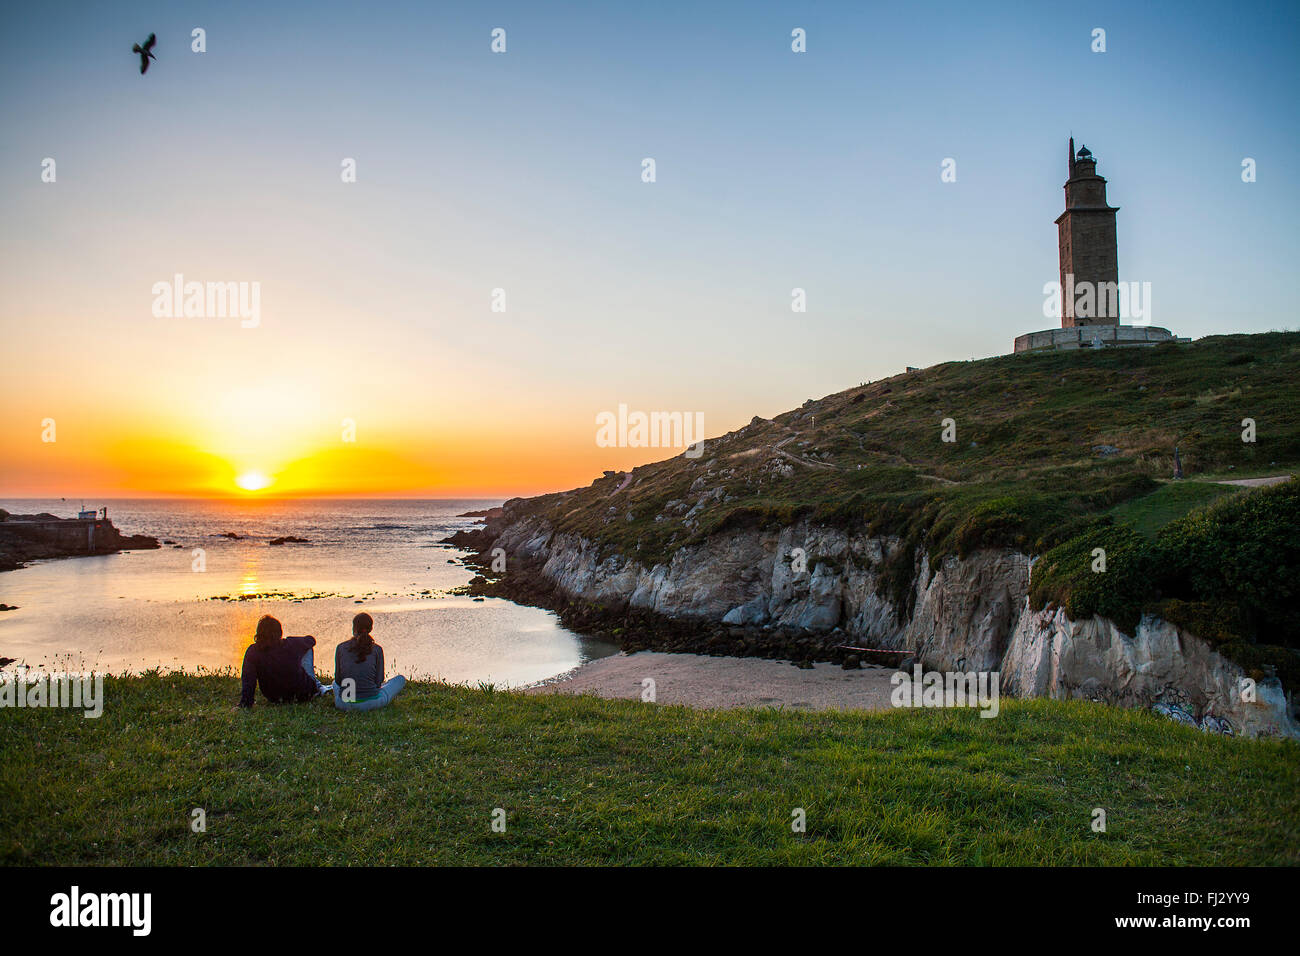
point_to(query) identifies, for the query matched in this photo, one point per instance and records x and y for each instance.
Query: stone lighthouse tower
(1090, 294)
(1086, 233)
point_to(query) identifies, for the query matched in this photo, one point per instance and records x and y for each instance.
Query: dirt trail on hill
(1256, 482)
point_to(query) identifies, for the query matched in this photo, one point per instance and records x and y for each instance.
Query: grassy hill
(591, 781)
(1032, 449)
(1062, 450)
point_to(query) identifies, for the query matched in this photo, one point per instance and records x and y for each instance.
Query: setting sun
(252, 481)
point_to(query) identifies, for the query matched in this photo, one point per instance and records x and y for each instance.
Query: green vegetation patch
(1149, 513)
(590, 781)
(1229, 572)
(1068, 576)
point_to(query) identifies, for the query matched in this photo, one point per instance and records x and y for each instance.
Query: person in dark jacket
(359, 671)
(282, 666)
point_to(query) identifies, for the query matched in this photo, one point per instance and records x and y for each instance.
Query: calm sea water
(146, 609)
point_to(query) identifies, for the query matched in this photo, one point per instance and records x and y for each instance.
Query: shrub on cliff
(1229, 573)
(1241, 552)
(1232, 567)
(1067, 576)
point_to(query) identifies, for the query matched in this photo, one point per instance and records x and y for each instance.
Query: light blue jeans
(392, 687)
(309, 665)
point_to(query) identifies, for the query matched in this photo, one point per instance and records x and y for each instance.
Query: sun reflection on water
(249, 574)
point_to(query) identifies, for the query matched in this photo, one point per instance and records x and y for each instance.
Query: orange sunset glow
(274, 454)
(185, 407)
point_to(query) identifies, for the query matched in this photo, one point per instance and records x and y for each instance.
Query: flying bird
(146, 52)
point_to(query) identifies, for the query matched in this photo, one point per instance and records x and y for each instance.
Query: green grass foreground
(589, 781)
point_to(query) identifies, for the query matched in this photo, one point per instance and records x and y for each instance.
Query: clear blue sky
(775, 170)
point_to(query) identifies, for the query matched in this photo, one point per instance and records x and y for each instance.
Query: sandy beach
(725, 682)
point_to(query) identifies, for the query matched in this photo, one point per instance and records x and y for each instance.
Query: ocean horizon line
(249, 499)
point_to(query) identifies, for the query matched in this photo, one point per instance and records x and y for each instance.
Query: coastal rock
(741, 578)
(966, 610)
(751, 612)
(807, 592)
(820, 610)
(1160, 664)
(472, 540)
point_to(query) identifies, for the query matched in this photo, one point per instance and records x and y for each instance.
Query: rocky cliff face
(1050, 655)
(968, 614)
(744, 578)
(966, 610)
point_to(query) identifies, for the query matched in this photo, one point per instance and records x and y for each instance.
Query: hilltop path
(1256, 482)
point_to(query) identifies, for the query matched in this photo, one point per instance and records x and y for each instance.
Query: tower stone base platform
(1094, 337)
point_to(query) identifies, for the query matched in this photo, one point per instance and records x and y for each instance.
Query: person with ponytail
(359, 671)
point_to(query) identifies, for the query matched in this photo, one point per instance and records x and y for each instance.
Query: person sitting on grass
(359, 671)
(284, 667)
